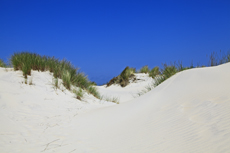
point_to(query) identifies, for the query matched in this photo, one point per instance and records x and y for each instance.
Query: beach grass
(79, 93)
(217, 58)
(144, 69)
(110, 99)
(2, 64)
(92, 90)
(62, 69)
(154, 72)
(123, 78)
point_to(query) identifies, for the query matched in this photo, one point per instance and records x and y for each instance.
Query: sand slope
(130, 91)
(28, 111)
(190, 112)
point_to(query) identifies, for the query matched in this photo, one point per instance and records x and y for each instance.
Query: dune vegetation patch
(144, 69)
(160, 74)
(2, 64)
(62, 69)
(123, 78)
(110, 99)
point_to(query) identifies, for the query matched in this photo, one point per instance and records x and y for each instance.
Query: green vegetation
(147, 89)
(123, 78)
(55, 83)
(72, 77)
(62, 69)
(217, 58)
(110, 99)
(154, 72)
(78, 93)
(2, 64)
(92, 90)
(144, 69)
(169, 70)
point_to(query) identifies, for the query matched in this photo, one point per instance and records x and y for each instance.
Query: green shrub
(144, 69)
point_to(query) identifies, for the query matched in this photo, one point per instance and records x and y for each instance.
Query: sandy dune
(190, 112)
(130, 91)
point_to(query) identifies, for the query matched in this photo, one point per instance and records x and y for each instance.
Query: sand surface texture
(189, 112)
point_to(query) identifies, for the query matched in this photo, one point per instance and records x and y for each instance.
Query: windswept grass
(147, 89)
(167, 71)
(154, 72)
(62, 69)
(123, 78)
(110, 99)
(92, 90)
(217, 58)
(78, 93)
(2, 64)
(144, 69)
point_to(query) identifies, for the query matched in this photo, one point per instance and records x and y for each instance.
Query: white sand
(130, 91)
(190, 112)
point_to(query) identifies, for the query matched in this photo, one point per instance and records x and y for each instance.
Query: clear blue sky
(103, 37)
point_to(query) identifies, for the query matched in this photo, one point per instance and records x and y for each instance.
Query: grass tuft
(123, 78)
(154, 72)
(2, 64)
(217, 58)
(110, 99)
(147, 89)
(144, 69)
(78, 93)
(61, 69)
(92, 90)
(166, 72)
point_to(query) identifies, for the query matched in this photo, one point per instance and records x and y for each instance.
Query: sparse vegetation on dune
(154, 72)
(2, 64)
(110, 99)
(217, 58)
(92, 90)
(72, 77)
(62, 69)
(144, 69)
(168, 70)
(123, 78)
(78, 93)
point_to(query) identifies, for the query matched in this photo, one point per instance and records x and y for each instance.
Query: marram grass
(123, 78)
(78, 93)
(2, 64)
(154, 72)
(144, 69)
(62, 69)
